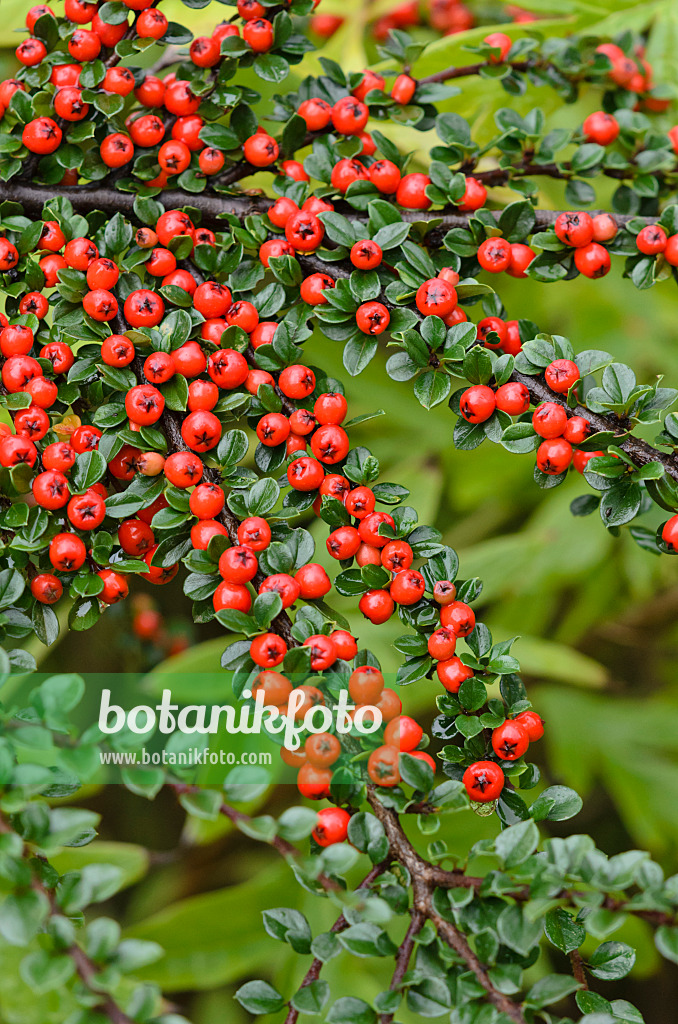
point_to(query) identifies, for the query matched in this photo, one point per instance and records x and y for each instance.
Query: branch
(403, 958)
(638, 450)
(285, 849)
(423, 881)
(471, 69)
(313, 973)
(87, 970)
(578, 971)
(86, 198)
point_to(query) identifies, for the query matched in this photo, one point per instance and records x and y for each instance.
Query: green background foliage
(596, 617)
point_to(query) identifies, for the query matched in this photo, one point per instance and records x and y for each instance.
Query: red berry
(345, 172)
(452, 673)
(385, 175)
(601, 128)
(377, 606)
(494, 255)
(261, 150)
(67, 552)
(42, 136)
(513, 398)
(477, 403)
(510, 741)
(304, 231)
(403, 89)
(312, 288)
(258, 34)
(411, 192)
(366, 255)
(403, 733)
(534, 725)
(575, 229)
(651, 240)
(46, 588)
(489, 326)
(313, 581)
(305, 474)
(458, 617)
(498, 41)
(255, 533)
(372, 318)
(549, 419)
(484, 781)
(201, 430)
(323, 652)
(233, 596)
(343, 542)
(592, 260)
(296, 381)
(436, 297)
(317, 113)
(521, 257)
(349, 115)
(577, 430)
(554, 456)
(474, 197)
(561, 375)
(268, 650)
(332, 826)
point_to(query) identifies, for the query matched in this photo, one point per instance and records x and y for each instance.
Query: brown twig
(403, 957)
(578, 970)
(283, 847)
(87, 970)
(313, 973)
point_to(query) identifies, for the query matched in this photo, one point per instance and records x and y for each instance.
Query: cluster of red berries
(550, 420)
(175, 136)
(320, 752)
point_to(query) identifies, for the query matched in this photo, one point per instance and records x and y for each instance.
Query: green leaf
(232, 447)
(339, 228)
(89, 468)
(349, 1010)
(515, 844)
(557, 803)
(550, 989)
(311, 999)
(563, 931)
(358, 352)
(270, 67)
(367, 834)
(432, 387)
(612, 960)
(289, 926)
(666, 941)
(12, 586)
(21, 916)
(259, 997)
(45, 623)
